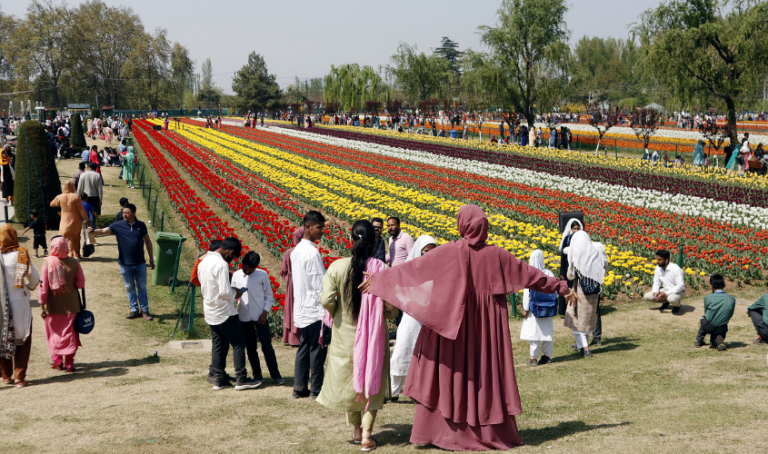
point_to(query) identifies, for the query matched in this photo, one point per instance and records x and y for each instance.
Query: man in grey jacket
(91, 183)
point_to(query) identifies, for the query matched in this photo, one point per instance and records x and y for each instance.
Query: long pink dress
(462, 373)
(291, 334)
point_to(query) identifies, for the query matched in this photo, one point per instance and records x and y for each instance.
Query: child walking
(538, 310)
(38, 228)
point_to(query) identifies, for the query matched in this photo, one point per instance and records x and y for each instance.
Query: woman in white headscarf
(586, 268)
(408, 330)
(537, 330)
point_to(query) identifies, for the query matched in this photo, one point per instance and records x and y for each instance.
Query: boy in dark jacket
(718, 310)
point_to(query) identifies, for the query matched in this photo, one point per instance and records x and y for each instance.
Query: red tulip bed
(708, 245)
(201, 220)
(629, 179)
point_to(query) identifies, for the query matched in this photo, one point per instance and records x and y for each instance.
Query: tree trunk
(732, 131)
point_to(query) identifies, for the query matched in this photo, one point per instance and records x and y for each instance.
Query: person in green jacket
(718, 310)
(758, 312)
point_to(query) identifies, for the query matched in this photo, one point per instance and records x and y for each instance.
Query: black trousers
(712, 330)
(310, 358)
(597, 334)
(252, 331)
(96, 202)
(228, 333)
(760, 326)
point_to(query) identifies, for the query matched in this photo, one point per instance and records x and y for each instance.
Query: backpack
(542, 305)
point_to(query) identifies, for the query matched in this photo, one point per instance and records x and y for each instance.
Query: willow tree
(352, 85)
(707, 46)
(419, 75)
(526, 65)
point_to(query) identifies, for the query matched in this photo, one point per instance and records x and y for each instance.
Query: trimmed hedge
(95, 113)
(105, 220)
(77, 135)
(37, 180)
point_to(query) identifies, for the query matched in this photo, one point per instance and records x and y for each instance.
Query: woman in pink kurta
(291, 334)
(462, 373)
(61, 276)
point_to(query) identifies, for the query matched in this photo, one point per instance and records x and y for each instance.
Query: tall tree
(352, 85)
(449, 50)
(418, 74)
(525, 67)
(253, 84)
(148, 66)
(102, 38)
(707, 46)
(182, 70)
(41, 44)
(7, 31)
(208, 93)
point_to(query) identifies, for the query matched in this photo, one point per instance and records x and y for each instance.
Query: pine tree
(77, 135)
(449, 50)
(37, 180)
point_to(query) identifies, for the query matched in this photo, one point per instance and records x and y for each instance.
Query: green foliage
(37, 180)
(526, 66)
(605, 69)
(257, 89)
(147, 66)
(105, 220)
(208, 95)
(182, 69)
(705, 46)
(95, 113)
(352, 85)
(421, 76)
(77, 135)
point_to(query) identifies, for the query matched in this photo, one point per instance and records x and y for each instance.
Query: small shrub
(105, 220)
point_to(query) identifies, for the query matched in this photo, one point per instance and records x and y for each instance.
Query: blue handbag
(542, 305)
(84, 320)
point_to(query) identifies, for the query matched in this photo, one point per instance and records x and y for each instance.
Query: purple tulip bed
(662, 183)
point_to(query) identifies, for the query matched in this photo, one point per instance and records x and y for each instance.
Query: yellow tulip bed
(713, 175)
(352, 196)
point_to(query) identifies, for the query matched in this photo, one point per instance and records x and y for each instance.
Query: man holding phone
(222, 317)
(254, 307)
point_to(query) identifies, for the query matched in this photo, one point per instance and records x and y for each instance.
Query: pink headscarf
(370, 342)
(56, 274)
(298, 234)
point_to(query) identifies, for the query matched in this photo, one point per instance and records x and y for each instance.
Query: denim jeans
(135, 280)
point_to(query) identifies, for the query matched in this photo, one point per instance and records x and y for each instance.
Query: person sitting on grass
(38, 227)
(758, 312)
(668, 283)
(89, 210)
(718, 310)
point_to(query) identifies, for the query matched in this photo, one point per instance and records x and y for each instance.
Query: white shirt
(257, 299)
(670, 280)
(19, 297)
(308, 271)
(218, 296)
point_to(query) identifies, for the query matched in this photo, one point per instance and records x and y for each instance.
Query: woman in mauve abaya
(291, 334)
(462, 373)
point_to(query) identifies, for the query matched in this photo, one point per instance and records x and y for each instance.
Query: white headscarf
(537, 261)
(601, 249)
(585, 258)
(421, 242)
(567, 231)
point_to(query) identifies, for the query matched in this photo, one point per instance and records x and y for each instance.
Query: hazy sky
(305, 37)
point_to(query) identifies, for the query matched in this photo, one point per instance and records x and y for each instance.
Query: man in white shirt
(254, 307)
(222, 317)
(668, 283)
(308, 271)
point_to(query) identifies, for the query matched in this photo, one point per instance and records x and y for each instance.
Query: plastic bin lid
(169, 236)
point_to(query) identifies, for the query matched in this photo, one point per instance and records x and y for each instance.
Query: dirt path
(645, 381)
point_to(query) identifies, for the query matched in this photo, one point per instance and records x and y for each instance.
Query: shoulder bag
(84, 320)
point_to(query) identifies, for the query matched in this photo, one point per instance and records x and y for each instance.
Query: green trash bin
(167, 253)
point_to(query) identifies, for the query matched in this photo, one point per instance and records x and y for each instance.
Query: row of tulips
(256, 203)
(361, 199)
(640, 230)
(204, 224)
(700, 244)
(715, 183)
